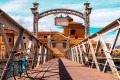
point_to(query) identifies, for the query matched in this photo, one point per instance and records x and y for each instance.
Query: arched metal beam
(57, 11)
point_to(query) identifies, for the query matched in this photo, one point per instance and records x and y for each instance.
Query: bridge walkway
(63, 69)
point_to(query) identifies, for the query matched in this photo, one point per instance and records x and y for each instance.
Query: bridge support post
(72, 54)
(69, 54)
(77, 54)
(87, 19)
(35, 19)
(81, 57)
(43, 51)
(35, 55)
(6, 73)
(39, 55)
(29, 47)
(85, 53)
(45, 55)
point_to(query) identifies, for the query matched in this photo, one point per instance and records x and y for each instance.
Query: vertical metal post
(81, 59)
(85, 53)
(87, 19)
(72, 54)
(77, 54)
(35, 55)
(29, 47)
(44, 60)
(39, 55)
(35, 19)
(43, 50)
(47, 53)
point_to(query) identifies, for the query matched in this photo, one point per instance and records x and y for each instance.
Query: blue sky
(104, 12)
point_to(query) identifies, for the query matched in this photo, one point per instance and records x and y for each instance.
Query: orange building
(10, 37)
(60, 42)
(74, 30)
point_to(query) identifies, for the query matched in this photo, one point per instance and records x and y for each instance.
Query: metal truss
(82, 50)
(41, 53)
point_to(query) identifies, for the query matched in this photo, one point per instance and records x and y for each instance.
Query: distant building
(10, 37)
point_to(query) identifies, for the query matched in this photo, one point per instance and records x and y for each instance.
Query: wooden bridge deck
(63, 69)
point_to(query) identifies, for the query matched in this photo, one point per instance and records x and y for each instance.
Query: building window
(73, 32)
(102, 51)
(23, 37)
(53, 45)
(45, 36)
(64, 45)
(9, 39)
(25, 45)
(76, 37)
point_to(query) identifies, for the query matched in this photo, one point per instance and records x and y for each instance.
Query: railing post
(75, 57)
(35, 55)
(85, 53)
(72, 54)
(43, 51)
(44, 60)
(69, 54)
(39, 55)
(77, 54)
(46, 53)
(29, 47)
(81, 58)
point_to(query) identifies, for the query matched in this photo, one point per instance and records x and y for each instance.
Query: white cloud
(24, 21)
(102, 17)
(99, 17)
(110, 38)
(44, 23)
(80, 7)
(14, 5)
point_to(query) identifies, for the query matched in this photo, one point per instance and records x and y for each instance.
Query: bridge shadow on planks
(63, 73)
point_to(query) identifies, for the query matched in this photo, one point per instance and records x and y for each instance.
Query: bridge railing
(94, 51)
(36, 52)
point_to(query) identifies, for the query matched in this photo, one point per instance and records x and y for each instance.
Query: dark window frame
(10, 39)
(45, 36)
(23, 37)
(73, 32)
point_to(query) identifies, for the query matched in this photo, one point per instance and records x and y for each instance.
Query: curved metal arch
(56, 11)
